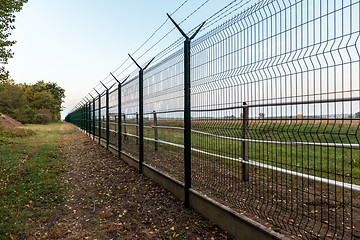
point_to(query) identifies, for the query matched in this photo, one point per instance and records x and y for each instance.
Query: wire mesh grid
(113, 117)
(129, 111)
(275, 116)
(163, 114)
(299, 78)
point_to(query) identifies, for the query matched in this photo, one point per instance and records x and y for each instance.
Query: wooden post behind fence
(125, 137)
(137, 129)
(155, 131)
(115, 124)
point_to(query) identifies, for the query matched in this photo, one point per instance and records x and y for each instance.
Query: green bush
(42, 119)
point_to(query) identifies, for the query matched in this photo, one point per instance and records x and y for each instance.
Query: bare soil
(7, 121)
(108, 199)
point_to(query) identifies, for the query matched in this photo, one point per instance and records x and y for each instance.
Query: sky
(76, 43)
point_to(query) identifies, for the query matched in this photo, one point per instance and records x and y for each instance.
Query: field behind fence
(261, 114)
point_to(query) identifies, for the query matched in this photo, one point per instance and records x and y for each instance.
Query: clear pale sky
(76, 43)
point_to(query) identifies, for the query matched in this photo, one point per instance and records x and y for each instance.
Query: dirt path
(107, 199)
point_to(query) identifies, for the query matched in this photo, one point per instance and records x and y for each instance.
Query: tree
(12, 100)
(4, 74)
(37, 103)
(8, 8)
(46, 98)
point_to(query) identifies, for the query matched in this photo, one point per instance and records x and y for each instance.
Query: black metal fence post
(119, 120)
(99, 113)
(84, 118)
(83, 107)
(141, 111)
(107, 120)
(93, 117)
(80, 116)
(119, 112)
(187, 108)
(88, 116)
(107, 123)
(100, 123)
(84, 115)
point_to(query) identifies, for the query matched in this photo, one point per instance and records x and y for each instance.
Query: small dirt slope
(108, 199)
(8, 121)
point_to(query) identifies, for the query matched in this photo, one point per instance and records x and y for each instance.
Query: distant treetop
(8, 8)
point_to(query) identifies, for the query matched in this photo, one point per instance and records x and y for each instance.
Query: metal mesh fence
(163, 113)
(113, 118)
(296, 75)
(129, 110)
(275, 116)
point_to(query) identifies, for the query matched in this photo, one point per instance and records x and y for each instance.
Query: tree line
(31, 103)
(27, 103)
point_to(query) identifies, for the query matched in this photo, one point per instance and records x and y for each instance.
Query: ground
(107, 199)
(8, 121)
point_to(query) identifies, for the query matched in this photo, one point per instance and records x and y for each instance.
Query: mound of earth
(8, 121)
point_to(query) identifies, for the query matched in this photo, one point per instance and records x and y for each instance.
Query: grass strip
(30, 168)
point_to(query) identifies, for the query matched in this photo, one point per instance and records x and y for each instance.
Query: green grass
(30, 166)
(341, 164)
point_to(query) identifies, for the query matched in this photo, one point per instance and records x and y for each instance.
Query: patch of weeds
(9, 134)
(180, 234)
(30, 170)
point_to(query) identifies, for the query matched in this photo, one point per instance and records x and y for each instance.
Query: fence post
(187, 108)
(99, 111)
(245, 144)
(88, 114)
(89, 118)
(119, 119)
(93, 120)
(107, 120)
(155, 131)
(141, 111)
(119, 112)
(81, 116)
(107, 123)
(99, 116)
(137, 128)
(84, 116)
